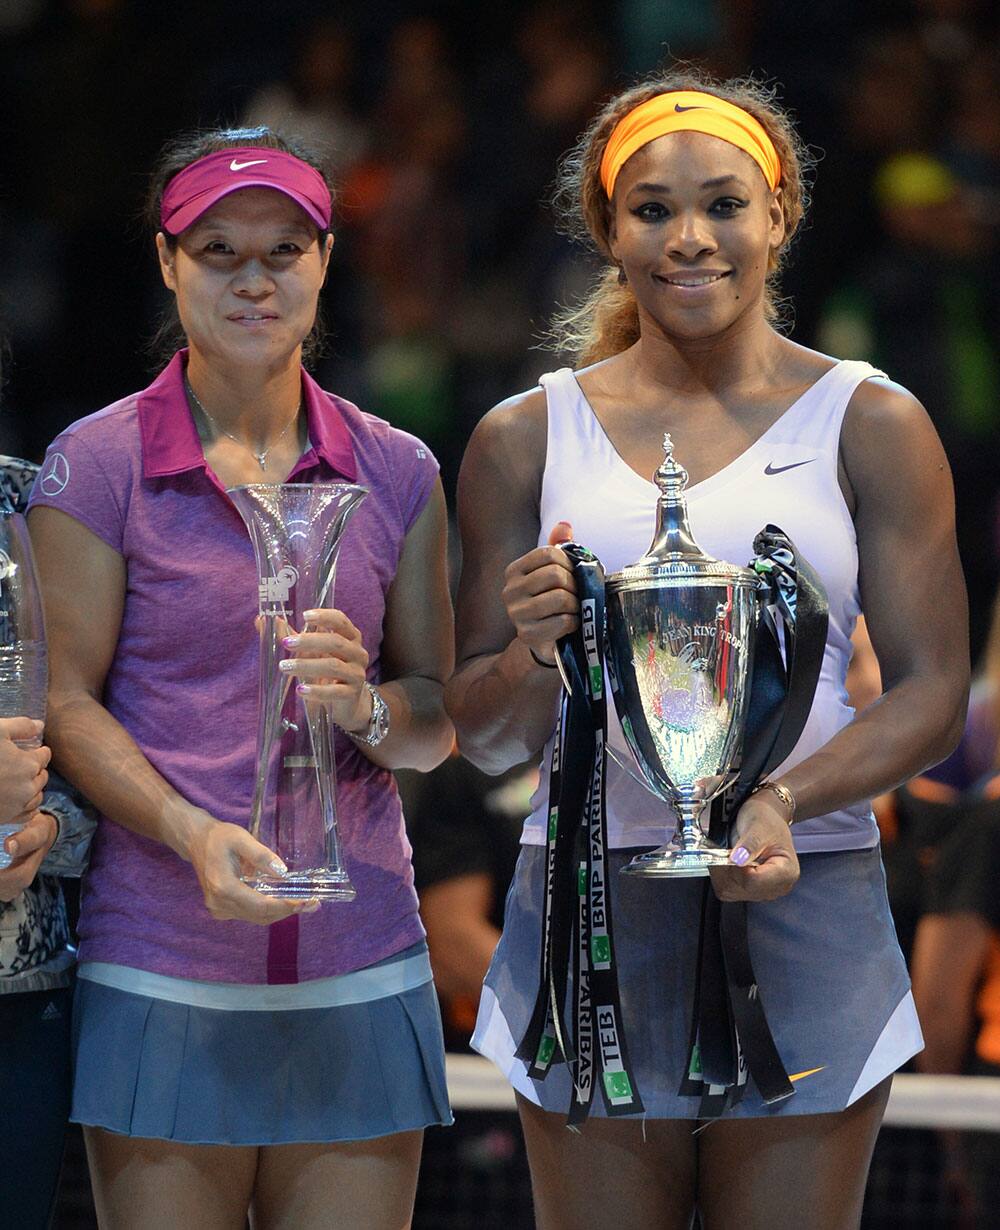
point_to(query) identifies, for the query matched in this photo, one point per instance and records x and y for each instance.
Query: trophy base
(673, 862)
(325, 885)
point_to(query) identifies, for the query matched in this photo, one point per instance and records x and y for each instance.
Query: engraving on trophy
(275, 590)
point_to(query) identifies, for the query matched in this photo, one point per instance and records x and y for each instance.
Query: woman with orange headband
(691, 192)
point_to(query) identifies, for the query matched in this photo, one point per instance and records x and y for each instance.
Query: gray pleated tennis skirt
(149, 1067)
(831, 976)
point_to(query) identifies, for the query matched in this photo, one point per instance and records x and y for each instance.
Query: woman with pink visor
(235, 1052)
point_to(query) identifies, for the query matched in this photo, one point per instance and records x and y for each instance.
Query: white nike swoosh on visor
(240, 166)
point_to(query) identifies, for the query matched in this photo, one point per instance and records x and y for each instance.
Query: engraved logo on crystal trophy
(277, 589)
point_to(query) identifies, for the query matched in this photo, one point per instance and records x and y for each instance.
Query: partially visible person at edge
(36, 954)
(234, 1051)
(956, 983)
(977, 756)
(692, 191)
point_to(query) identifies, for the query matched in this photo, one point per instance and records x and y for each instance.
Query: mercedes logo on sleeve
(55, 475)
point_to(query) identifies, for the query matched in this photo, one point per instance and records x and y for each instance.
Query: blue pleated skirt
(149, 1067)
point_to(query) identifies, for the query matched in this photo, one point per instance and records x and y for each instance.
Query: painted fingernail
(303, 689)
(278, 867)
(310, 615)
(310, 908)
(12, 848)
(289, 642)
(286, 664)
(740, 856)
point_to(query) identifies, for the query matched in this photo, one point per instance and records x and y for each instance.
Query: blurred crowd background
(443, 123)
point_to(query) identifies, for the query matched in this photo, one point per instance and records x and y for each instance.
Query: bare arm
(417, 654)
(83, 585)
(513, 596)
(949, 956)
(913, 596)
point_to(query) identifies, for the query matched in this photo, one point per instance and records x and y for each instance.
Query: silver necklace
(261, 457)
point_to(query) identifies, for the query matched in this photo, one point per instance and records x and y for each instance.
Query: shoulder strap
(846, 377)
(562, 401)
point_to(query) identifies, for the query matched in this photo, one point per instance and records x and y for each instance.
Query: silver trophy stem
(689, 852)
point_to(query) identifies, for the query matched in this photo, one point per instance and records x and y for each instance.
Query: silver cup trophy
(680, 635)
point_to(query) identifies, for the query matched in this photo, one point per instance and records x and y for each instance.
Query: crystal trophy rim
(298, 486)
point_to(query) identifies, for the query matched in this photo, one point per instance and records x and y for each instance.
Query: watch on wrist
(378, 723)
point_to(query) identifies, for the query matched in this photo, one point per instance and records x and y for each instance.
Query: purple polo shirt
(183, 682)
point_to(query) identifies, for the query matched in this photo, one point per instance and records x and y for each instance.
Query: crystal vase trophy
(296, 530)
(23, 660)
(680, 634)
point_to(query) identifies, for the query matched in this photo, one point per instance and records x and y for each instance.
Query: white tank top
(788, 478)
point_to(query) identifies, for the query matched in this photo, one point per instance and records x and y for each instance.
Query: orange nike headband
(688, 111)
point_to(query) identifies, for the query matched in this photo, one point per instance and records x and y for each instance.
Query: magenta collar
(170, 443)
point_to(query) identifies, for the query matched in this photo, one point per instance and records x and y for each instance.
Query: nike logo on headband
(241, 166)
(773, 469)
(678, 107)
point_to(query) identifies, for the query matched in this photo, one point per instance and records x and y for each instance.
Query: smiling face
(693, 226)
(247, 277)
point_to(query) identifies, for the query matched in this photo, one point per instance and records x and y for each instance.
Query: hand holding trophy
(23, 673)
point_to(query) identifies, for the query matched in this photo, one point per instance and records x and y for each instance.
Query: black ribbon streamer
(577, 907)
(730, 1035)
(728, 1043)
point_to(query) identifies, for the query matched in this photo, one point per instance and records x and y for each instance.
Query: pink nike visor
(199, 186)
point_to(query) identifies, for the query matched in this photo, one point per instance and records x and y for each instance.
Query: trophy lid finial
(671, 477)
(674, 553)
(673, 539)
